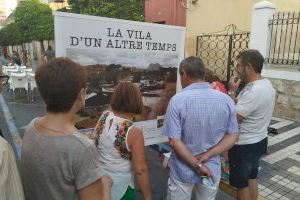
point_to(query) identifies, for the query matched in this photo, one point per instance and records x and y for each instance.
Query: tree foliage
(35, 20)
(11, 35)
(120, 9)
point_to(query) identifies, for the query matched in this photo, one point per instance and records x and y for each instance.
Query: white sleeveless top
(115, 157)
(112, 142)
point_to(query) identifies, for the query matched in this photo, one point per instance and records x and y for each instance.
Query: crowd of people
(202, 122)
(25, 58)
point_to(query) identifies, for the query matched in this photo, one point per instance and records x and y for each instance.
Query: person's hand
(234, 83)
(203, 157)
(202, 170)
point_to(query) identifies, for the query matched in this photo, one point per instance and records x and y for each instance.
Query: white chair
(4, 69)
(28, 70)
(9, 71)
(19, 81)
(22, 67)
(32, 82)
(10, 67)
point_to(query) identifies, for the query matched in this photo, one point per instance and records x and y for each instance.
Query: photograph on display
(155, 74)
(114, 50)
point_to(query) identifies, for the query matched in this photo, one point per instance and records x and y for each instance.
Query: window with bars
(284, 46)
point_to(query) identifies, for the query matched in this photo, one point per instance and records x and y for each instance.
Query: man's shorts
(244, 162)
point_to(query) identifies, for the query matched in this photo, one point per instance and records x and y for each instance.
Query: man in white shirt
(255, 105)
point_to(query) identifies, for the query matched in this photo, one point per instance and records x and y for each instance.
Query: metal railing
(219, 50)
(284, 46)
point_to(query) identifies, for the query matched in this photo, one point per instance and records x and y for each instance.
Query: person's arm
(240, 118)
(181, 150)
(105, 187)
(137, 146)
(229, 139)
(90, 179)
(233, 84)
(185, 154)
(172, 129)
(91, 192)
(99, 190)
(225, 144)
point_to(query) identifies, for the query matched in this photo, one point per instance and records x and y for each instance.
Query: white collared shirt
(10, 182)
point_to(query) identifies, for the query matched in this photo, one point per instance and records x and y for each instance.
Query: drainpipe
(174, 11)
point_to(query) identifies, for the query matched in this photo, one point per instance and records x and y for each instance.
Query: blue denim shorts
(244, 162)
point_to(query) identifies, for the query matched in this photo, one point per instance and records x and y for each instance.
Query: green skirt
(129, 194)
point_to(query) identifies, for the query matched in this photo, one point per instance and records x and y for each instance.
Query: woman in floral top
(121, 145)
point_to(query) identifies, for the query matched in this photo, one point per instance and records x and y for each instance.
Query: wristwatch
(196, 165)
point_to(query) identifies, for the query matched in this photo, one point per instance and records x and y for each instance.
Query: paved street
(22, 112)
(280, 169)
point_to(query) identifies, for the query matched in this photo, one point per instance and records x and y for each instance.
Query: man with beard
(255, 105)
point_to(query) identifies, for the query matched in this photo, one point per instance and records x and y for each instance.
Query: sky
(139, 59)
(10, 5)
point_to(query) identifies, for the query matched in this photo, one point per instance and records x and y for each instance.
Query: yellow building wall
(208, 16)
(55, 6)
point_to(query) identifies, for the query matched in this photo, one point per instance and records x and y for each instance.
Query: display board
(115, 50)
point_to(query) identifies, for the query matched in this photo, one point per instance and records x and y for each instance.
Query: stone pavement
(279, 174)
(279, 177)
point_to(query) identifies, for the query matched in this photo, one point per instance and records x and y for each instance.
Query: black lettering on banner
(117, 45)
(162, 46)
(88, 42)
(119, 34)
(125, 44)
(174, 47)
(139, 35)
(148, 44)
(97, 42)
(169, 47)
(131, 45)
(154, 46)
(109, 33)
(130, 33)
(74, 41)
(148, 37)
(109, 44)
(139, 45)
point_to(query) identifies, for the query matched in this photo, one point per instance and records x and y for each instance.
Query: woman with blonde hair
(121, 145)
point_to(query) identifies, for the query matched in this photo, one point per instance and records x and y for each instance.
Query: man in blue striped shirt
(198, 119)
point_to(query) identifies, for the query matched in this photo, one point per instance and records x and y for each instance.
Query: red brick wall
(170, 11)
